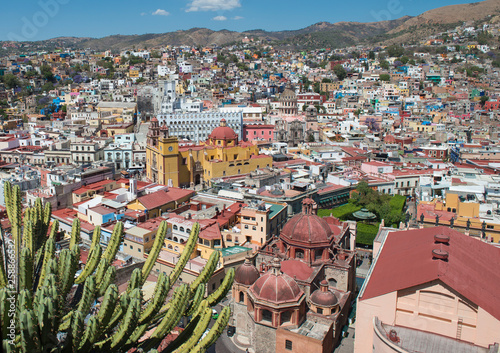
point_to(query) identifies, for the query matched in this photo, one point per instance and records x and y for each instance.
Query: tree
(53, 318)
(395, 50)
(483, 100)
(340, 72)
(385, 77)
(371, 55)
(384, 64)
(46, 71)
(11, 81)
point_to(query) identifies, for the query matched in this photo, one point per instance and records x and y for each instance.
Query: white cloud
(219, 18)
(143, 14)
(212, 5)
(160, 12)
(237, 18)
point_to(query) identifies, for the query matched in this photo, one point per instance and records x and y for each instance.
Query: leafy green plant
(51, 317)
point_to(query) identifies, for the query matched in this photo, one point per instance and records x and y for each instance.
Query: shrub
(366, 233)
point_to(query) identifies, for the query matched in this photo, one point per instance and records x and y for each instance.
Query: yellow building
(220, 156)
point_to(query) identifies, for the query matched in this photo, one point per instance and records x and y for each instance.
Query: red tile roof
(163, 197)
(406, 261)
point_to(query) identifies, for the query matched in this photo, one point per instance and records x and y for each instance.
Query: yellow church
(221, 155)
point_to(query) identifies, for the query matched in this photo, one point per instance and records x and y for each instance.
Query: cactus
(155, 251)
(221, 292)
(214, 332)
(52, 318)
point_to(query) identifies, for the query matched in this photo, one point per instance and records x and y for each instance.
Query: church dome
(323, 297)
(276, 286)
(307, 227)
(223, 132)
(247, 273)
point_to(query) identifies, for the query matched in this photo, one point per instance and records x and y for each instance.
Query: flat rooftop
(312, 329)
(420, 341)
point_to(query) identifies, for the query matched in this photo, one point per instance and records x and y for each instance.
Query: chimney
(324, 286)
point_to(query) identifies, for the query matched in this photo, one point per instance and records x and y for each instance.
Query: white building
(197, 126)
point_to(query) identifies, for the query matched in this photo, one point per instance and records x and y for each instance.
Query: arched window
(318, 254)
(332, 282)
(181, 229)
(229, 238)
(299, 253)
(176, 249)
(176, 240)
(188, 231)
(242, 297)
(175, 227)
(170, 247)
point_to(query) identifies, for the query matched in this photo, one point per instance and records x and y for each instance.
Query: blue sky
(43, 19)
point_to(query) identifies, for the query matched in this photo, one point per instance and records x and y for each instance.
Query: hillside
(443, 18)
(320, 35)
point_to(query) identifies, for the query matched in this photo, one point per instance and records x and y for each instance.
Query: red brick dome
(323, 297)
(276, 286)
(223, 132)
(307, 227)
(247, 273)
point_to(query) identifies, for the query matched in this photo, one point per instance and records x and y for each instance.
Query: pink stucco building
(430, 290)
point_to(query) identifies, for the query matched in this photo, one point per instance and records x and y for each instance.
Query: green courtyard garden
(363, 201)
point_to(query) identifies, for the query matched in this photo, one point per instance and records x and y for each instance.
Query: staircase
(459, 328)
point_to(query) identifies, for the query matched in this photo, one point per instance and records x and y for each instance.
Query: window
(254, 228)
(267, 315)
(181, 229)
(288, 345)
(175, 227)
(242, 297)
(320, 311)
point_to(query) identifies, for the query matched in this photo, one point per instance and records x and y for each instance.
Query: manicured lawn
(366, 233)
(342, 212)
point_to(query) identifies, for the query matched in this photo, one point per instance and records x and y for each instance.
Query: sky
(44, 19)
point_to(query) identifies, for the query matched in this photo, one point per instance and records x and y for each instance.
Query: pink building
(430, 290)
(376, 168)
(255, 132)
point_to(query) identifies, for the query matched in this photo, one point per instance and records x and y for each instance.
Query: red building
(491, 105)
(254, 132)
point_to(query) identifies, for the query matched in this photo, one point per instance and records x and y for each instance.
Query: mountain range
(320, 35)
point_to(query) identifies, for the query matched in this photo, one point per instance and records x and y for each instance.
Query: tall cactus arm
(94, 256)
(75, 333)
(47, 213)
(48, 255)
(67, 267)
(4, 313)
(129, 321)
(171, 318)
(101, 270)
(114, 243)
(108, 306)
(223, 289)
(214, 332)
(135, 280)
(155, 251)
(88, 296)
(207, 271)
(16, 218)
(29, 228)
(197, 299)
(47, 312)
(30, 340)
(25, 270)
(159, 296)
(7, 189)
(186, 253)
(24, 300)
(3, 274)
(198, 331)
(90, 335)
(75, 234)
(109, 278)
